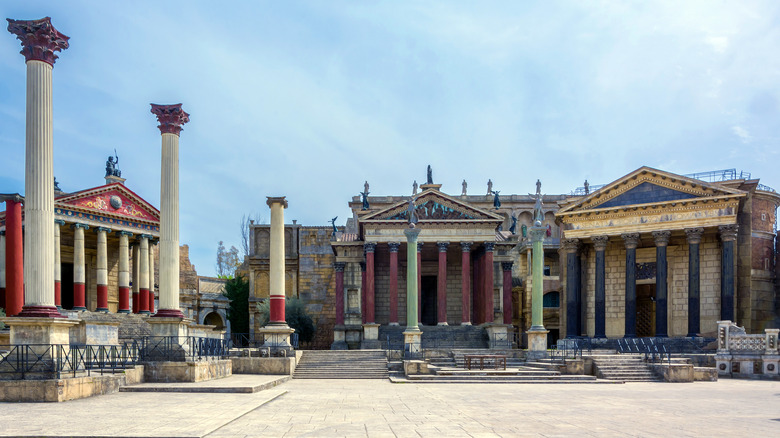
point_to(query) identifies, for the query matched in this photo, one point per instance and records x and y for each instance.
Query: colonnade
(481, 280)
(693, 236)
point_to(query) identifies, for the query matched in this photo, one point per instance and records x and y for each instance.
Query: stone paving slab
(376, 408)
(237, 383)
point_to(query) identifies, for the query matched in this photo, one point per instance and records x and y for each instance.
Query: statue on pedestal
(465, 186)
(410, 210)
(430, 175)
(496, 201)
(587, 187)
(111, 164)
(333, 224)
(365, 200)
(414, 188)
(490, 187)
(365, 187)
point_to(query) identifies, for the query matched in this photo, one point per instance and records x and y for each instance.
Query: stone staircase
(622, 367)
(433, 337)
(342, 364)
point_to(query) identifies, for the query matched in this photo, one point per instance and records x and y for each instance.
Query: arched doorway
(214, 319)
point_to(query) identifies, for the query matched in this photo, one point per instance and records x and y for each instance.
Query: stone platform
(237, 384)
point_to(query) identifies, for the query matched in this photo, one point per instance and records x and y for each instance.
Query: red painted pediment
(110, 200)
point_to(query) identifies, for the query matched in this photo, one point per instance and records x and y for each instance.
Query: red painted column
(370, 309)
(124, 299)
(479, 312)
(14, 256)
(507, 267)
(339, 266)
(419, 281)
(2, 269)
(394, 282)
(363, 288)
(488, 273)
(441, 286)
(465, 263)
(136, 275)
(58, 223)
(151, 302)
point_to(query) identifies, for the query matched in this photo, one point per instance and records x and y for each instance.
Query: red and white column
(58, 223)
(465, 283)
(124, 272)
(339, 266)
(102, 269)
(363, 288)
(171, 118)
(40, 40)
(79, 267)
(507, 291)
(2, 269)
(143, 285)
(277, 259)
(136, 277)
(441, 286)
(370, 305)
(488, 278)
(394, 282)
(14, 256)
(151, 276)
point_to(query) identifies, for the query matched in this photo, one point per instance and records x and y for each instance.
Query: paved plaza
(378, 408)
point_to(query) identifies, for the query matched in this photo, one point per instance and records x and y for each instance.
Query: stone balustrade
(747, 355)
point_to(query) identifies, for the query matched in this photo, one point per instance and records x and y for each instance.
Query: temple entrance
(66, 285)
(428, 308)
(645, 310)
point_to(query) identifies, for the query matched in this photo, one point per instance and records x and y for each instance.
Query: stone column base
(537, 343)
(40, 330)
(276, 337)
(339, 338)
(169, 340)
(413, 344)
(498, 336)
(370, 337)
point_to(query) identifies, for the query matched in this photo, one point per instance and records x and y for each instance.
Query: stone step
(503, 379)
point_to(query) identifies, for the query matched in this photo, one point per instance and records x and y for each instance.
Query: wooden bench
(496, 359)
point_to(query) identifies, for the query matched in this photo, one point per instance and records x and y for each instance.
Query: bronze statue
(430, 175)
(587, 187)
(111, 164)
(524, 230)
(365, 187)
(411, 211)
(333, 223)
(56, 185)
(414, 188)
(496, 201)
(365, 200)
(513, 228)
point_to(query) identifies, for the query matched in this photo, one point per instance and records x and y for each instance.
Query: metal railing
(709, 176)
(653, 349)
(181, 348)
(46, 361)
(244, 340)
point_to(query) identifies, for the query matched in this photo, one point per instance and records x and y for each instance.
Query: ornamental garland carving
(104, 203)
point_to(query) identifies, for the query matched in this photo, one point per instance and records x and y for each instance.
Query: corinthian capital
(171, 118)
(39, 39)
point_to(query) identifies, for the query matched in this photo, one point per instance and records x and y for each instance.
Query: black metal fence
(275, 346)
(181, 348)
(653, 349)
(46, 361)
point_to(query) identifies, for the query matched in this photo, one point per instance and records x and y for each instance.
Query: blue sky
(309, 99)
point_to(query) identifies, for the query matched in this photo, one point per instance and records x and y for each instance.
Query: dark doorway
(645, 310)
(428, 295)
(66, 285)
(552, 337)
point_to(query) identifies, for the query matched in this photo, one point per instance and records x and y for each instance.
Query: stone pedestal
(413, 343)
(370, 337)
(169, 340)
(339, 338)
(498, 336)
(40, 330)
(161, 326)
(276, 337)
(537, 343)
(95, 333)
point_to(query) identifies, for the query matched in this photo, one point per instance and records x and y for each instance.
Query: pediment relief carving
(433, 207)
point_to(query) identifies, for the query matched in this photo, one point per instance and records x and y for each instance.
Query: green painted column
(411, 278)
(537, 315)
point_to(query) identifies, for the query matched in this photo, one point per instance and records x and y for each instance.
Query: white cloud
(742, 133)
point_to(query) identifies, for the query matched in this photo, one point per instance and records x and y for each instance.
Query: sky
(309, 99)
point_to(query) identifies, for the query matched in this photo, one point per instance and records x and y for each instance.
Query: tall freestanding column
(465, 283)
(151, 276)
(171, 118)
(143, 285)
(661, 295)
(394, 282)
(102, 269)
(632, 241)
(537, 334)
(40, 40)
(507, 291)
(79, 267)
(728, 235)
(14, 256)
(412, 334)
(277, 334)
(441, 286)
(57, 264)
(124, 272)
(600, 320)
(2, 269)
(419, 280)
(487, 300)
(694, 239)
(570, 247)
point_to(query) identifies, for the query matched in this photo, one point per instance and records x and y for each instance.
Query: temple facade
(628, 259)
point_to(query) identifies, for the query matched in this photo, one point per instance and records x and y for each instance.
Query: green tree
(237, 291)
(2, 315)
(295, 315)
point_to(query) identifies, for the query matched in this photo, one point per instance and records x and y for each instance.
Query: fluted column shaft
(694, 239)
(363, 292)
(79, 267)
(151, 276)
(488, 279)
(632, 241)
(136, 277)
(412, 271)
(419, 280)
(277, 260)
(600, 245)
(661, 276)
(571, 246)
(58, 263)
(728, 235)
(143, 275)
(394, 246)
(370, 304)
(102, 269)
(2, 269)
(169, 228)
(465, 283)
(441, 286)
(507, 291)
(124, 272)
(339, 267)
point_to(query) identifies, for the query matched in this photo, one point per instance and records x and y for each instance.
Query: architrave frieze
(676, 205)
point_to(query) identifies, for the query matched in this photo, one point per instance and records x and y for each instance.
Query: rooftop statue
(490, 187)
(465, 186)
(56, 185)
(365, 200)
(513, 228)
(365, 187)
(496, 201)
(587, 187)
(333, 224)
(111, 164)
(414, 188)
(538, 215)
(430, 175)
(411, 211)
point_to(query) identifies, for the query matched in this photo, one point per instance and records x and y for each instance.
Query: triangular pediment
(647, 186)
(110, 200)
(432, 205)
